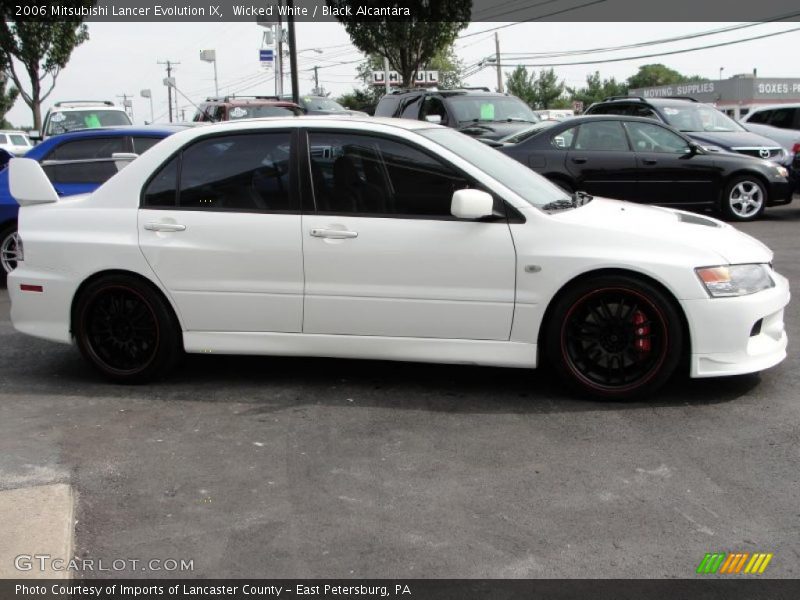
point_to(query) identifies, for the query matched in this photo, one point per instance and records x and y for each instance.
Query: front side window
(19, 140)
(237, 172)
(360, 174)
(653, 138)
(63, 121)
(602, 135)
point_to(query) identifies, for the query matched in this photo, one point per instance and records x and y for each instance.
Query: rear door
(220, 226)
(601, 161)
(668, 172)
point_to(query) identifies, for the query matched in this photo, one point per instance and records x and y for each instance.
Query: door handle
(649, 161)
(334, 234)
(579, 161)
(164, 227)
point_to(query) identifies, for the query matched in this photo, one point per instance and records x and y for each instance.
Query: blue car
(76, 163)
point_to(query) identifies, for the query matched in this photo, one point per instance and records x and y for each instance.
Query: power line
(672, 52)
(552, 14)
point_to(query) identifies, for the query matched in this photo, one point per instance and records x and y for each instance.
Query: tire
(8, 250)
(125, 329)
(744, 199)
(614, 337)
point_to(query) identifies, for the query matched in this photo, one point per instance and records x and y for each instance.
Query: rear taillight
(796, 149)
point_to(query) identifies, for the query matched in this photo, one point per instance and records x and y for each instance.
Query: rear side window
(387, 106)
(3, 139)
(162, 191)
(143, 144)
(761, 116)
(603, 135)
(90, 148)
(411, 108)
(94, 172)
(783, 118)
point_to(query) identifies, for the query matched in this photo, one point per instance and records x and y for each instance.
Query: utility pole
(170, 64)
(497, 62)
(386, 73)
(279, 39)
(126, 104)
(316, 79)
(293, 53)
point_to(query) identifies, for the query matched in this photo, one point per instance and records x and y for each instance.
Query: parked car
(73, 115)
(782, 116)
(386, 239)
(638, 159)
(75, 163)
(15, 142)
(474, 111)
(322, 105)
(232, 108)
(709, 127)
(789, 139)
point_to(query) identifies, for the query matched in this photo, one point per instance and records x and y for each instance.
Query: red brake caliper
(642, 342)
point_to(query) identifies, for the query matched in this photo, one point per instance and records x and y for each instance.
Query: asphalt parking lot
(331, 468)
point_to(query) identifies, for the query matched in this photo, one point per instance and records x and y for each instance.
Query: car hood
(671, 226)
(493, 130)
(732, 139)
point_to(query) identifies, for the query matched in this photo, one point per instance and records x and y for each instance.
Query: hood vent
(696, 220)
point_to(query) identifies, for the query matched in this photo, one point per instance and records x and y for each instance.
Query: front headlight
(735, 280)
(782, 171)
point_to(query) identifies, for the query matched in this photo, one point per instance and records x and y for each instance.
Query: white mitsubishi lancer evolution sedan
(384, 239)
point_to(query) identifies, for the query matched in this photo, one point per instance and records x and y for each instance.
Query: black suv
(474, 111)
(706, 125)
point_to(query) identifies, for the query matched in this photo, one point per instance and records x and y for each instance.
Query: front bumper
(726, 339)
(780, 192)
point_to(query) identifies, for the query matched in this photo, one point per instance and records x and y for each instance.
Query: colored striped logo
(734, 563)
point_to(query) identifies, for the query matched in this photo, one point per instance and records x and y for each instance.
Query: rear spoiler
(28, 183)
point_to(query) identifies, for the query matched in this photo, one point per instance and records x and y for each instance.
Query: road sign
(267, 58)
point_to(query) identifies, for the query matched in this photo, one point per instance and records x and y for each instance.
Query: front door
(383, 255)
(601, 162)
(220, 226)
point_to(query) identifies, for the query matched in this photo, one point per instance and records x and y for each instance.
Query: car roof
(775, 106)
(119, 130)
(407, 124)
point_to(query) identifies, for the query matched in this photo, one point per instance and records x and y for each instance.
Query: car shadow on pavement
(277, 383)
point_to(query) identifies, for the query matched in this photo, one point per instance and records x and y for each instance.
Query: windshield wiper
(582, 198)
(560, 204)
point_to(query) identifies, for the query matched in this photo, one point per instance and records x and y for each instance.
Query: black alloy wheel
(615, 337)
(125, 329)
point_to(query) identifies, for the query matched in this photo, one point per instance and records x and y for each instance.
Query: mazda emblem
(764, 153)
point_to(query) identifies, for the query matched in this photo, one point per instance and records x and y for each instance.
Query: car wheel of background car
(744, 199)
(616, 337)
(9, 250)
(125, 329)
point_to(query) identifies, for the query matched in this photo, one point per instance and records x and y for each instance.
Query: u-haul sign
(422, 78)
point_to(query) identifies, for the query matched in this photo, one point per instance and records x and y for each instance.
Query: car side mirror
(692, 149)
(433, 118)
(35, 137)
(471, 204)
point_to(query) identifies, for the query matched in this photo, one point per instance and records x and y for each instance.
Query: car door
(219, 225)
(384, 257)
(668, 171)
(601, 162)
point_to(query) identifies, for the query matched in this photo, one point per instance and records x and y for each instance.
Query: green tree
(411, 43)
(358, 100)
(658, 74)
(7, 99)
(42, 51)
(537, 91)
(596, 89)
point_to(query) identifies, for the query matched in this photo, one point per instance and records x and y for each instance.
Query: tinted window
(411, 107)
(782, 117)
(261, 110)
(81, 172)
(564, 139)
(387, 106)
(237, 172)
(3, 139)
(652, 138)
(603, 135)
(761, 116)
(372, 175)
(433, 106)
(19, 140)
(490, 108)
(143, 144)
(89, 148)
(162, 190)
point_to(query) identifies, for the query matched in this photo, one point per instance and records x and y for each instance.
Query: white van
(82, 114)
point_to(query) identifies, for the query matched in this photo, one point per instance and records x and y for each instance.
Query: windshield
(535, 189)
(491, 108)
(61, 122)
(317, 103)
(520, 136)
(19, 140)
(257, 111)
(699, 117)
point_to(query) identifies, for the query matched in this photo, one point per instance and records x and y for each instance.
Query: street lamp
(211, 56)
(148, 94)
(721, 69)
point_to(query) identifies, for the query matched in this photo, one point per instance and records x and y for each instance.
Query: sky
(122, 58)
